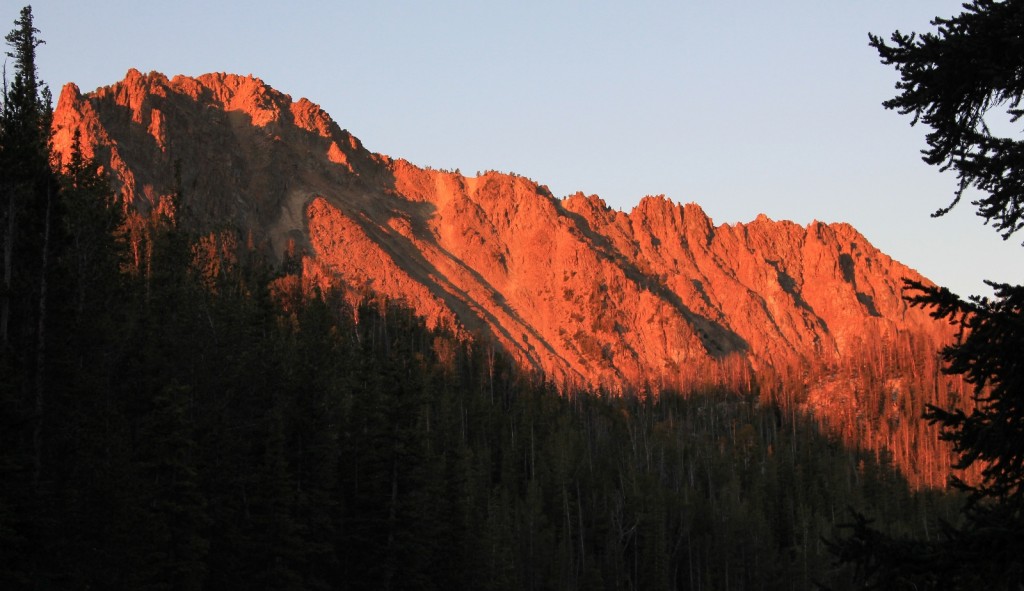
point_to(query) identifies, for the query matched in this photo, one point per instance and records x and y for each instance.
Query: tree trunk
(37, 444)
(5, 308)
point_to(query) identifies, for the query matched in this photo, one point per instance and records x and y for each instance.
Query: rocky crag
(659, 295)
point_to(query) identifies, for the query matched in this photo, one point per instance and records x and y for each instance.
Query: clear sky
(742, 107)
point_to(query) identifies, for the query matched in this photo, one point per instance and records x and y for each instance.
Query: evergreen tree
(27, 209)
(27, 183)
(953, 80)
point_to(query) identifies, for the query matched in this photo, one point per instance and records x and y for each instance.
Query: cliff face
(568, 286)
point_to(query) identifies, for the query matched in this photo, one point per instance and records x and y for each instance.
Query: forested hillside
(206, 425)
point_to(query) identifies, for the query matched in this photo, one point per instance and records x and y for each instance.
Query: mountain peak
(569, 287)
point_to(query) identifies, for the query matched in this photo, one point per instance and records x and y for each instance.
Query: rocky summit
(568, 286)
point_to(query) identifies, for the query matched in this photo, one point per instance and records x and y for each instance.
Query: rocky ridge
(568, 286)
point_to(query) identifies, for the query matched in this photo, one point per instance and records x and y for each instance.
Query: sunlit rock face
(657, 296)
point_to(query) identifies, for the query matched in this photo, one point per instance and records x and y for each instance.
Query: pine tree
(952, 80)
(27, 184)
(28, 207)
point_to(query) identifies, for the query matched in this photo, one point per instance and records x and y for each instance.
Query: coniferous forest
(178, 413)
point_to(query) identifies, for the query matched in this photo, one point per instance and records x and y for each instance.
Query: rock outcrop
(568, 286)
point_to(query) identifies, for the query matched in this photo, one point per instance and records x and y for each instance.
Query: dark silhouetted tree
(955, 80)
(28, 206)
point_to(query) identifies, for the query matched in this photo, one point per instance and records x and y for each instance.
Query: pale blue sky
(742, 107)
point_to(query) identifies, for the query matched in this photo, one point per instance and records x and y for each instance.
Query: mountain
(659, 296)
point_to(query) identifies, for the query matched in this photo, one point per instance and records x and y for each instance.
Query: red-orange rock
(569, 287)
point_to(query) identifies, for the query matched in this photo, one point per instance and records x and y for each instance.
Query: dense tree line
(196, 435)
(176, 414)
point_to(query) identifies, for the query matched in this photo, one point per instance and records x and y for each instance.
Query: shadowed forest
(207, 425)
